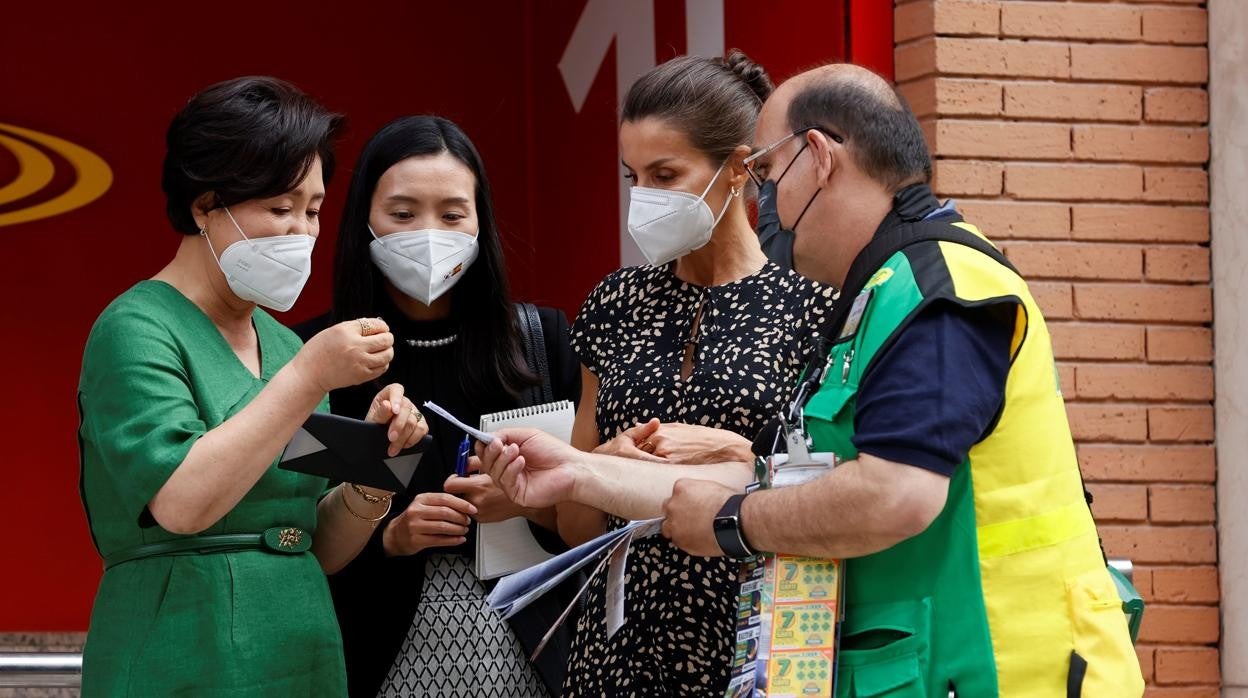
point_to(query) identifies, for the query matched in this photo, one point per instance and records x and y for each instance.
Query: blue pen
(461, 460)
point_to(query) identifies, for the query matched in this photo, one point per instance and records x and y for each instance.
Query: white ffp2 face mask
(423, 264)
(668, 224)
(269, 271)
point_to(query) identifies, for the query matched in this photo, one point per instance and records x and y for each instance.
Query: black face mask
(775, 239)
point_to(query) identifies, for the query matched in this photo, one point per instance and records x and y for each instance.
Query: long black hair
(491, 357)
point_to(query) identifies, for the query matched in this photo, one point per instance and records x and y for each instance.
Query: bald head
(827, 76)
(879, 129)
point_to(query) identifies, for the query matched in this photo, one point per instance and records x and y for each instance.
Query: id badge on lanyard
(792, 430)
(797, 463)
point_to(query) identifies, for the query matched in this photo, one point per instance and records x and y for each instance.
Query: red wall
(110, 82)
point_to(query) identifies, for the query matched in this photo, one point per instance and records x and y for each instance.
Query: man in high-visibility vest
(972, 562)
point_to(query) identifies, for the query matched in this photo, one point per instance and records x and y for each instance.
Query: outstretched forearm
(860, 507)
(634, 489)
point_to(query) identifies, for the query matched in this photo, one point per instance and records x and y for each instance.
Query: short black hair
(246, 138)
(881, 134)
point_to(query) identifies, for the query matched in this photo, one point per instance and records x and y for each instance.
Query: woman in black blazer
(418, 247)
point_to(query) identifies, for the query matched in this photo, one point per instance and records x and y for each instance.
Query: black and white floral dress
(753, 338)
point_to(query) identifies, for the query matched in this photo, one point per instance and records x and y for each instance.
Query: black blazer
(376, 596)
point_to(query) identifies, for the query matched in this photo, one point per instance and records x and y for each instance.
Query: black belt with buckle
(279, 539)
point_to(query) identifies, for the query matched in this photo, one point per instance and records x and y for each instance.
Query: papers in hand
(477, 434)
(516, 591)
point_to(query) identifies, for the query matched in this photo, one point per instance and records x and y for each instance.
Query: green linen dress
(156, 375)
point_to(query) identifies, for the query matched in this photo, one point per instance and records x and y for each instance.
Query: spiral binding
(523, 412)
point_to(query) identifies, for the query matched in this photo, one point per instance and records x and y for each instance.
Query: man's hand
(533, 468)
(690, 516)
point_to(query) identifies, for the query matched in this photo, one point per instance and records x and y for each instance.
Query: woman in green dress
(214, 558)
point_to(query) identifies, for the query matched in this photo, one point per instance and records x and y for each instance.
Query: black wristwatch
(728, 530)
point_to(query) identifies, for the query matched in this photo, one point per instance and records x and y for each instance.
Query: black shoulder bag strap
(532, 623)
(535, 353)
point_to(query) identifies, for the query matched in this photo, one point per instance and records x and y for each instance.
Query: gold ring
(419, 417)
(365, 328)
(646, 446)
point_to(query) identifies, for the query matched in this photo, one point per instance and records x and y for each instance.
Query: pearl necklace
(431, 343)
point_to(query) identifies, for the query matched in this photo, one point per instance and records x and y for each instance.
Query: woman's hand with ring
(407, 424)
(348, 353)
(693, 444)
(634, 443)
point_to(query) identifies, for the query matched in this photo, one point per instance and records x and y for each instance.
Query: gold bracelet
(370, 498)
(372, 522)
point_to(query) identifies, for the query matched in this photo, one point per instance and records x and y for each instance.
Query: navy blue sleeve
(937, 390)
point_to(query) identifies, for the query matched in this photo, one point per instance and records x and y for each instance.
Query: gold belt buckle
(287, 539)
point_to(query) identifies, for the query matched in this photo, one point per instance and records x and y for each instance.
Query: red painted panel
(870, 35)
(110, 82)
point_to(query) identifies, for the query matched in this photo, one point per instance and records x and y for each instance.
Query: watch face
(728, 536)
(727, 528)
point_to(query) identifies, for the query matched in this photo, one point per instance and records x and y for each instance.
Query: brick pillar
(1075, 135)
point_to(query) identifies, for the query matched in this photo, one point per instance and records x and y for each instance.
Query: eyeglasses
(752, 167)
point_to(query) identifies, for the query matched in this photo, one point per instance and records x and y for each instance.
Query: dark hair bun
(713, 101)
(750, 73)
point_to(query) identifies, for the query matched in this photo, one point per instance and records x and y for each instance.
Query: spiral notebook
(504, 547)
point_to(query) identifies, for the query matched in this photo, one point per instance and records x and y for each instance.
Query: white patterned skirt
(457, 647)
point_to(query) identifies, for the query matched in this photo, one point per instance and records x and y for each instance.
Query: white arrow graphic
(630, 25)
(704, 27)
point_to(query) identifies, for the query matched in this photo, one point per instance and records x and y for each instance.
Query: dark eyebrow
(299, 190)
(657, 163)
(460, 200)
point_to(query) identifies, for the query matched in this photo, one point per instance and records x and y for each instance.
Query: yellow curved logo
(35, 170)
(880, 277)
